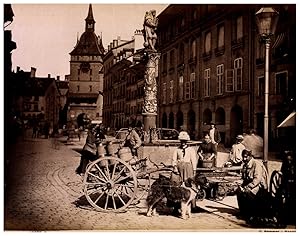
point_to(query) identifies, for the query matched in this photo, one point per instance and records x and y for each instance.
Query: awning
(290, 121)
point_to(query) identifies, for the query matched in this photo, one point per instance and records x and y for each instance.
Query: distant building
(86, 74)
(212, 69)
(36, 98)
(123, 82)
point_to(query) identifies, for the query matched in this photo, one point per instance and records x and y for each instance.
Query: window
(91, 71)
(229, 80)
(281, 83)
(181, 53)
(220, 36)
(238, 72)
(207, 43)
(91, 89)
(261, 86)
(36, 98)
(36, 107)
(193, 49)
(187, 90)
(206, 82)
(172, 59)
(164, 95)
(239, 27)
(78, 72)
(220, 79)
(90, 78)
(180, 88)
(78, 78)
(78, 88)
(193, 86)
(171, 91)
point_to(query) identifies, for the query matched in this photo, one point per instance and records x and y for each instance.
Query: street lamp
(266, 20)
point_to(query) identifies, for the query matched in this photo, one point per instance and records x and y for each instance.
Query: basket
(207, 163)
(125, 154)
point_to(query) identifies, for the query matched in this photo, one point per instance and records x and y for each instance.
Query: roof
(88, 45)
(32, 86)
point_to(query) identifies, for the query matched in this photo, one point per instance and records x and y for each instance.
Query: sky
(45, 34)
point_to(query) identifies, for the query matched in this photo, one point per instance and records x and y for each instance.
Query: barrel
(101, 150)
(207, 163)
(111, 149)
(125, 154)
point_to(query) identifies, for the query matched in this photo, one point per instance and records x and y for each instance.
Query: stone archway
(236, 122)
(191, 123)
(171, 120)
(220, 116)
(164, 120)
(179, 119)
(207, 116)
(80, 120)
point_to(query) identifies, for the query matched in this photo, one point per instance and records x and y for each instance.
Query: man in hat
(235, 156)
(252, 195)
(214, 134)
(185, 163)
(132, 140)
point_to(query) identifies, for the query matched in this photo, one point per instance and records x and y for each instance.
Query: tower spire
(89, 20)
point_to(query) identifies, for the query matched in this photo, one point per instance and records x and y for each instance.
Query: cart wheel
(143, 182)
(220, 192)
(275, 184)
(110, 184)
(201, 195)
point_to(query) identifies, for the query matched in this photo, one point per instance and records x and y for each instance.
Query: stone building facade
(208, 71)
(123, 82)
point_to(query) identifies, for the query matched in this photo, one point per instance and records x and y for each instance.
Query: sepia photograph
(149, 117)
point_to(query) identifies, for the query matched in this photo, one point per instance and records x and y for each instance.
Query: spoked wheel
(220, 192)
(110, 184)
(143, 182)
(201, 195)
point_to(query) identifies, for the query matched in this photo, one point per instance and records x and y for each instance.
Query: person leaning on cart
(132, 140)
(252, 196)
(89, 151)
(184, 163)
(207, 151)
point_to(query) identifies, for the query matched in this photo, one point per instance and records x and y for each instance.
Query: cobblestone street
(41, 188)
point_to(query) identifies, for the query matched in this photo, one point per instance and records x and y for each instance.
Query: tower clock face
(85, 67)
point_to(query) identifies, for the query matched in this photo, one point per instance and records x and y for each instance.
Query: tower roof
(89, 43)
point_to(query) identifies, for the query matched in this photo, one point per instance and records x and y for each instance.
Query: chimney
(115, 43)
(32, 72)
(49, 76)
(138, 40)
(18, 68)
(57, 77)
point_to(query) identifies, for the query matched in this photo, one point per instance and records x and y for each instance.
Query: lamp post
(266, 20)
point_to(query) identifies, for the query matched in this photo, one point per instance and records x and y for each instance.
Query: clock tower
(86, 74)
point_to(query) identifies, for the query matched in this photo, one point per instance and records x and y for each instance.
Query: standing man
(132, 140)
(214, 134)
(184, 163)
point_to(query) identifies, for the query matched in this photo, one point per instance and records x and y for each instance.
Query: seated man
(207, 150)
(235, 156)
(252, 195)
